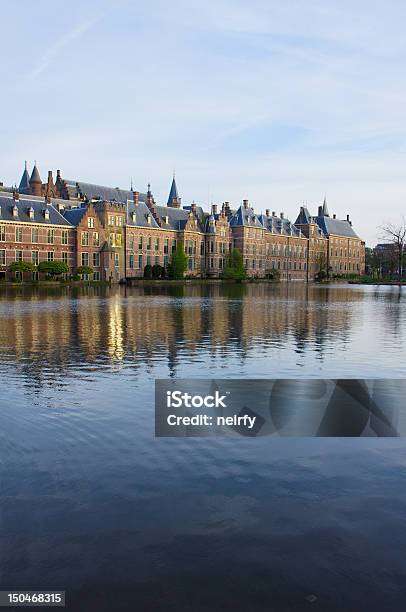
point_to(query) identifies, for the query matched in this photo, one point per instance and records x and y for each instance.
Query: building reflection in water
(45, 331)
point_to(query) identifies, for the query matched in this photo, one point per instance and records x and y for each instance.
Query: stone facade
(118, 232)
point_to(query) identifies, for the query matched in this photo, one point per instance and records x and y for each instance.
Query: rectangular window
(149, 241)
(120, 221)
(50, 236)
(112, 220)
(90, 222)
(140, 243)
(166, 246)
(96, 239)
(65, 257)
(157, 244)
(35, 258)
(131, 262)
(2, 233)
(19, 255)
(50, 256)
(140, 262)
(85, 259)
(96, 260)
(85, 239)
(166, 261)
(34, 235)
(116, 260)
(119, 240)
(96, 276)
(19, 234)
(64, 237)
(2, 257)
(131, 243)
(173, 246)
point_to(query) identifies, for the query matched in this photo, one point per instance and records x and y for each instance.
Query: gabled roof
(335, 227)
(277, 225)
(142, 213)
(304, 217)
(177, 217)
(24, 204)
(24, 186)
(245, 216)
(99, 192)
(74, 215)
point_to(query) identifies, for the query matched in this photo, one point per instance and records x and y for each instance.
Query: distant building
(118, 232)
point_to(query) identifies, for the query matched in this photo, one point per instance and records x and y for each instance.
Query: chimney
(348, 218)
(58, 174)
(282, 215)
(214, 209)
(273, 213)
(320, 211)
(334, 216)
(16, 195)
(136, 197)
(47, 199)
(193, 207)
(245, 203)
(267, 212)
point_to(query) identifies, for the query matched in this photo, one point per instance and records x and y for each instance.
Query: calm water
(92, 503)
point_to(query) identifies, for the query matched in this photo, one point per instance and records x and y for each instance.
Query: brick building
(118, 232)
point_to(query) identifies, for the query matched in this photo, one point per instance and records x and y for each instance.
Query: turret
(35, 182)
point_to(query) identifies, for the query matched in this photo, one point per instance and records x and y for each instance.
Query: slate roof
(25, 181)
(93, 192)
(177, 217)
(141, 215)
(24, 204)
(304, 217)
(276, 225)
(335, 227)
(245, 216)
(74, 215)
(35, 177)
(173, 194)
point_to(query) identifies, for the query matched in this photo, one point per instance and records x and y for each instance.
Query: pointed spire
(325, 209)
(173, 199)
(25, 180)
(35, 177)
(35, 182)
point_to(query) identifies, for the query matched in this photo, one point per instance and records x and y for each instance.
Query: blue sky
(278, 102)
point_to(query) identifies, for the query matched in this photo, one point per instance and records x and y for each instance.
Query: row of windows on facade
(50, 235)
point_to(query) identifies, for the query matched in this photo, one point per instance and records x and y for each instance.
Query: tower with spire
(24, 186)
(174, 200)
(35, 182)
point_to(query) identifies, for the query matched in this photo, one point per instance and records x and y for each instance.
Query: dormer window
(166, 219)
(31, 212)
(134, 216)
(149, 219)
(15, 210)
(46, 214)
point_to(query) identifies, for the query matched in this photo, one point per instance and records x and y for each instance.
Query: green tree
(157, 271)
(21, 266)
(234, 269)
(53, 268)
(148, 271)
(84, 270)
(178, 264)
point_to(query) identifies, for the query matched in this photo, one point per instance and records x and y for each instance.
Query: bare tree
(396, 235)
